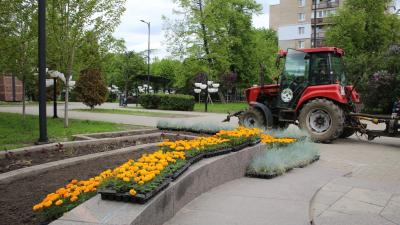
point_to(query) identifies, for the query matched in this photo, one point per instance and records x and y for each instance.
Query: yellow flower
(132, 192)
(73, 199)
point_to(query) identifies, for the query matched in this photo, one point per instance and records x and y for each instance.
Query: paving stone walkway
(355, 183)
(370, 194)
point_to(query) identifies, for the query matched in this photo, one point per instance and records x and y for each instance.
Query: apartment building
(294, 21)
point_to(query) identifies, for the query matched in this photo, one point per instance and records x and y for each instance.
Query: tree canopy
(367, 32)
(220, 34)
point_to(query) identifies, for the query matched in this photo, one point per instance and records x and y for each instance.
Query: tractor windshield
(296, 66)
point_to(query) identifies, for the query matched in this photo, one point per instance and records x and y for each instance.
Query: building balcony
(319, 43)
(320, 34)
(324, 5)
(320, 21)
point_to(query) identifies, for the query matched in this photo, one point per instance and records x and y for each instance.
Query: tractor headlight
(287, 95)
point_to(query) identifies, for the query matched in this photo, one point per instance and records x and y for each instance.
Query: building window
(302, 3)
(301, 30)
(302, 17)
(300, 44)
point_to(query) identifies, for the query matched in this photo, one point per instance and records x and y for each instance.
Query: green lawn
(134, 113)
(16, 132)
(221, 108)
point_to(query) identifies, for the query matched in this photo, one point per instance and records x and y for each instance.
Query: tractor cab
(309, 67)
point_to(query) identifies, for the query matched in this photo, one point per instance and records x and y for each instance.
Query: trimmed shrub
(203, 127)
(278, 160)
(91, 88)
(167, 102)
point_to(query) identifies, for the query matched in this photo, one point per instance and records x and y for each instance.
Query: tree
(167, 68)
(220, 33)
(91, 88)
(18, 34)
(366, 32)
(68, 22)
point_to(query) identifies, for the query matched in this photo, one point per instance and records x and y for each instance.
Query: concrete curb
(113, 134)
(199, 178)
(70, 144)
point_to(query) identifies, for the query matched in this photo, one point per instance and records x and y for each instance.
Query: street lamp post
(54, 75)
(42, 71)
(208, 87)
(148, 52)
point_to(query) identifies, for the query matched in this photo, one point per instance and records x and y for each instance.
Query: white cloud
(134, 32)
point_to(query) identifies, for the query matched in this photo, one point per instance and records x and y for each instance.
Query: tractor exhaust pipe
(262, 75)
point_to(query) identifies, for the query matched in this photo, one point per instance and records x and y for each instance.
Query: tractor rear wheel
(322, 119)
(252, 118)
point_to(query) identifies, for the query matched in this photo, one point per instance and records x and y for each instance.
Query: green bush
(167, 102)
(278, 160)
(199, 127)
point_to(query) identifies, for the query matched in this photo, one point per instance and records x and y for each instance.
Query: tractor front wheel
(252, 118)
(322, 119)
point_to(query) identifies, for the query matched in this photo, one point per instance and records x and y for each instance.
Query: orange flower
(59, 202)
(37, 207)
(73, 199)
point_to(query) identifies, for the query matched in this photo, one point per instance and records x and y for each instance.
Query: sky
(135, 32)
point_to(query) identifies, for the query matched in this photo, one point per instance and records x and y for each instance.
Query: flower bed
(138, 181)
(282, 157)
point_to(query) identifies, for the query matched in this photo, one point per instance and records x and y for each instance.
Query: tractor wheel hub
(319, 121)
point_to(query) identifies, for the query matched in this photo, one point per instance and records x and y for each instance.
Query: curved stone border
(68, 144)
(42, 168)
(199, 178)
(115, 134)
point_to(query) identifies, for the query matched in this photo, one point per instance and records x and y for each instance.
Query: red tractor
(313, 93)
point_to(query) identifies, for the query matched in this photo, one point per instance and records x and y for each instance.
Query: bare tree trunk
(221, 96)
(23, 98)
(67, 77)
(66, 102)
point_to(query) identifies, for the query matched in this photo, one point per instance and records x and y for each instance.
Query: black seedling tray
(196, 158)
(255, 142)
(240, 147)
(179, 172)
(262, 176)
(112, 195)
(217, 153)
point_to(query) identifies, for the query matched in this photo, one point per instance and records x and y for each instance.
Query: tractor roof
(339, 51)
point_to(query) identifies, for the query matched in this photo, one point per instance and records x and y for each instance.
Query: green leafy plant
(167, 102)
(278, 160)
(203, 127)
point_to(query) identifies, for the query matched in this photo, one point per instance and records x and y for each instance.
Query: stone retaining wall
(198, 179)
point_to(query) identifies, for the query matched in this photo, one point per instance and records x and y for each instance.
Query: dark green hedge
(167, 102)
